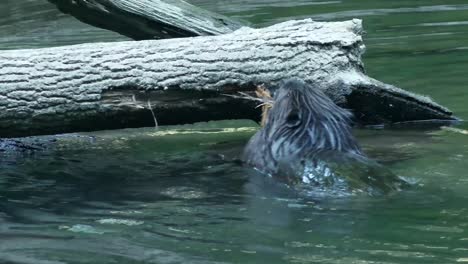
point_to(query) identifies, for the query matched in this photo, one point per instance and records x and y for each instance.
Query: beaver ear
(293, 119)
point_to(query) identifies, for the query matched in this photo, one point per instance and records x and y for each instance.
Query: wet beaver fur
(307, 143)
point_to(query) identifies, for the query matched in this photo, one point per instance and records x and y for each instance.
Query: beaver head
(307, 142)
(302, 121)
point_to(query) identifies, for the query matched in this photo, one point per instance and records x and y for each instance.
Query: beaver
(307, 143)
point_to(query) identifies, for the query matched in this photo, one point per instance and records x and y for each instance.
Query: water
(178, 195)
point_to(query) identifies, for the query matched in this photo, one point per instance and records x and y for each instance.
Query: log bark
(114, 85)
(149, 19)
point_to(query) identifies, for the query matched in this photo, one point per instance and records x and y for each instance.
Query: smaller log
(149, 19)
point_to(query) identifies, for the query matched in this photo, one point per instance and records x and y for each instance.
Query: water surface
(178, 195)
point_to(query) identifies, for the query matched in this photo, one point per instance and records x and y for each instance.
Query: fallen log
(115, 85)
(149, 19)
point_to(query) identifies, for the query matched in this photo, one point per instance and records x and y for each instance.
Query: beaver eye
(293, 119)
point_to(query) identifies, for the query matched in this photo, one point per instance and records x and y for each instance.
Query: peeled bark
(149, 19)
(113, 85)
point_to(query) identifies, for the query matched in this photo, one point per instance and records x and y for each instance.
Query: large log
(149, 19)
(112, 85)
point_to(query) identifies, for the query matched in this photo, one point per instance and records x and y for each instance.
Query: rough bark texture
(149, 19)
(111, 85)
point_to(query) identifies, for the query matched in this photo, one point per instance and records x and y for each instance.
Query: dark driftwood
(113, 85)
(149, 19)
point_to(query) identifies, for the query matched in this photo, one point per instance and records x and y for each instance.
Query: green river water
(176, 196)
